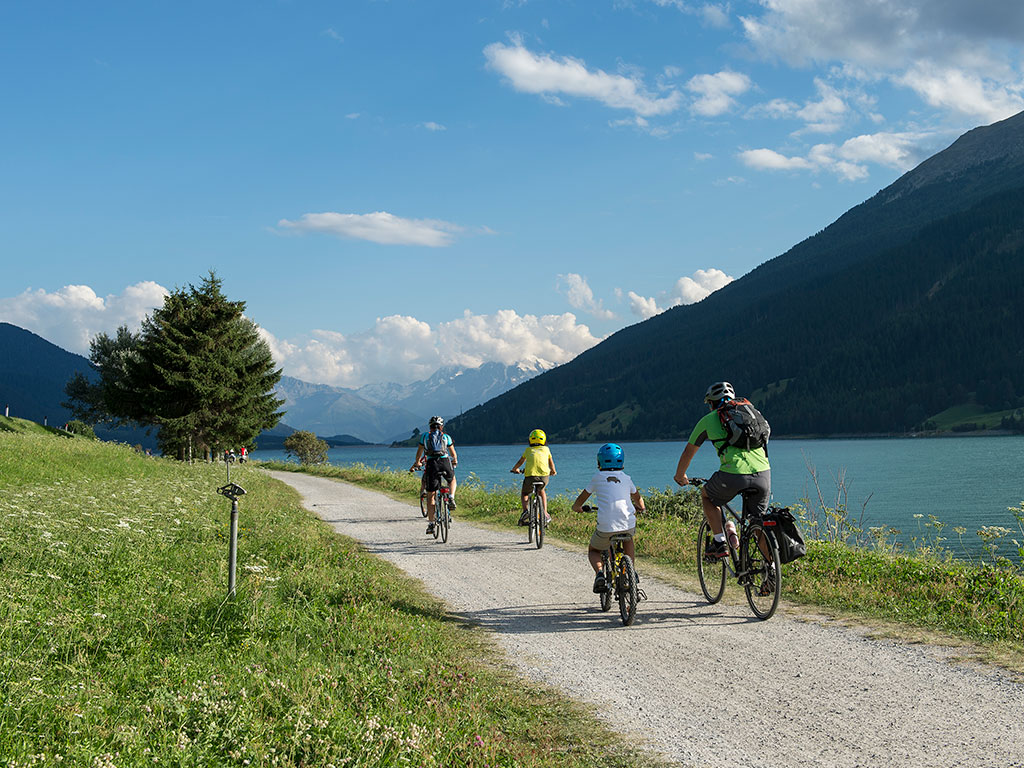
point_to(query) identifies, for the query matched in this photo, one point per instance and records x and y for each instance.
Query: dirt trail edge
(700, 684)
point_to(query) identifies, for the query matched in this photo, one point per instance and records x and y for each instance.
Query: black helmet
(720, 390)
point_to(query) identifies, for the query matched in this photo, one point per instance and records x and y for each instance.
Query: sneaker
(451, 502)
(430, 529)
(717, 550)
(524, 519)
(599, 585)
(768, 587)
(547, 518)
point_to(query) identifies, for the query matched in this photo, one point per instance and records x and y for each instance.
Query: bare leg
(711, 512)
(594, 555)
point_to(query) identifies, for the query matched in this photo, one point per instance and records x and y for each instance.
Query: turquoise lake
(965, 481)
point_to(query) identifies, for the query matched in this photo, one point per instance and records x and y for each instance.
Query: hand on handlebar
(515, 471)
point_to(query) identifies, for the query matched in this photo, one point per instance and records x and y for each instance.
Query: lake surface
(966, 481)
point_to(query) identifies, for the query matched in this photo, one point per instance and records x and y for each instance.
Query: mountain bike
(423, 495)
(442, 512)
(753, 560)
(538, 516)
(620, 577)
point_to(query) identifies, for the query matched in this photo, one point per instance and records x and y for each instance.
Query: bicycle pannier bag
(435, 444)
(745, 427)
(787, 535)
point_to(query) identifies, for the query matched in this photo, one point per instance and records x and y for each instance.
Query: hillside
(902, 308)
(33, 373)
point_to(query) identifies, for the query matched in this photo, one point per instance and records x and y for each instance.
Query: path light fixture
(232, 491)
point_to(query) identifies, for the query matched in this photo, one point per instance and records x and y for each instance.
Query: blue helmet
(610, 456)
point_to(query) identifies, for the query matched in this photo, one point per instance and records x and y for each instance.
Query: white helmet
(436, 421)
(720, 390)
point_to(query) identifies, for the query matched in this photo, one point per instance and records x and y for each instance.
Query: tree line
(197, 371)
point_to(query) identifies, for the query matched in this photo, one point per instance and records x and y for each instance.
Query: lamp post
(232, 491)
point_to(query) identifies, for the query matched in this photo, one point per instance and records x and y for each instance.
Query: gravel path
(700, 684)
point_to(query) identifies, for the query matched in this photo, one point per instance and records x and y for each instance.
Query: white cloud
(432, 126)
(963, 92)
(770, 160)
(961, 56)
(405, 349)
(711, 14)
(895, 150)
(581, 297)
(716, 91)
(686, 290)
(553, 76)
(71, 316)
(380, 227)
(329, 32)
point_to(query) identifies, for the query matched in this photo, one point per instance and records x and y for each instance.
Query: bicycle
(753, 560)
(536, 514)
(620, 577)
(423, 495)
(442, 512)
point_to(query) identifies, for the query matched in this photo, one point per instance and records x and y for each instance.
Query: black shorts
(756, 489)
(438, 473)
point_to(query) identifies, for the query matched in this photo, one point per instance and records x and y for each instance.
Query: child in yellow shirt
(539, 466)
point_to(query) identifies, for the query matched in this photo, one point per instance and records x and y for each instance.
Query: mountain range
(33, 373)
(905, 306)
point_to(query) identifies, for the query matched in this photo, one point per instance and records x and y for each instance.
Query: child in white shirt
(617, 498)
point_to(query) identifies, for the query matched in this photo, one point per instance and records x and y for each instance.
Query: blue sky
(396, 185)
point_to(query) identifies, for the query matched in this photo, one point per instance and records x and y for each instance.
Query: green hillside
(892, 315)
(117, 646)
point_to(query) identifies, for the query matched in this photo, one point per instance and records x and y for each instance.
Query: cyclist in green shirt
(746, 473)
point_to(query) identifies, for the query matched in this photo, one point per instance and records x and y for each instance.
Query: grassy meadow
(118, 648)
(925, 589)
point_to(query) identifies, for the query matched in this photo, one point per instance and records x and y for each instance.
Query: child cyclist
(539, 466)
(617, 498)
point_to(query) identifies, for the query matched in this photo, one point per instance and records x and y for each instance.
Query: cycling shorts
(756, 489)
(603, 539)
(529, 480)
(436, 471)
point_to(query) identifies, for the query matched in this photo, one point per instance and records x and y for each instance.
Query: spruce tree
(198, 370)
(203, 373)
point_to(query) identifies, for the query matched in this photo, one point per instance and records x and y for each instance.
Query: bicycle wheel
(606, 596)
(445, 516)
(423, 504)
(763, 581)
(628, 591)
(538, 515)
(532, 520)
(710, 570)
(438, 502)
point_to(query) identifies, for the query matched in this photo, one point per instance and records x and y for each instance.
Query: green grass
(969, 413)
(981, 602)
(118, 648)
(23, 426)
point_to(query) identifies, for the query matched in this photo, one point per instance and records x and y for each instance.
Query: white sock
(720, 538)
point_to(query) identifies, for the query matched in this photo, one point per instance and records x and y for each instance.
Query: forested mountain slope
(895, 312)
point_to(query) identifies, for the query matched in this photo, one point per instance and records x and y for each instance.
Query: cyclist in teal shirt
(743, 472)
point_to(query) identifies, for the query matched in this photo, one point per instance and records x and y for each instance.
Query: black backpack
(780, 521)
(745, 427)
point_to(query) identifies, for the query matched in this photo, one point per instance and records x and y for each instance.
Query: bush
(307, 447)
(77, 427)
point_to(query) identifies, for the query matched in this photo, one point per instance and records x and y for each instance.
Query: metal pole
(233, 548)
